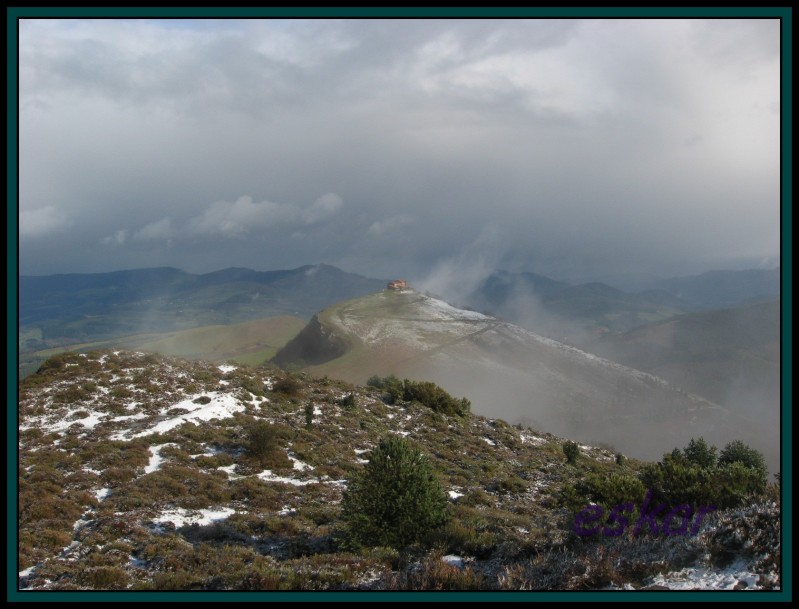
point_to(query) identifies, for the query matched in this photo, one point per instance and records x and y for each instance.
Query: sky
(426, 149)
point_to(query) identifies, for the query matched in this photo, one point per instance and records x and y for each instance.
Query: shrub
(55, 362)
(288, 385)
(434, 397)
(613, 489)
(738, 452)
(735, 482)
(103, 578)
(435, 574)
(397, 500)
(262, 445)
(348, 402)
(571, 450)
(695, 476)
(391, 385)
(253, 385)
(309, 415)
(699, 452)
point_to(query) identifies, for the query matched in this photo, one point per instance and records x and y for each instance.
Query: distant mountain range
(728, 357)
(579, 314)
(512, 373)
(63, 309)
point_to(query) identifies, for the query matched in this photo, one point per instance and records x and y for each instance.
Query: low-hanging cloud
(380, 228)
(237, 219)
(323, 208)
(42, 221)
(160, 229)
(456, 278)
(118, 238)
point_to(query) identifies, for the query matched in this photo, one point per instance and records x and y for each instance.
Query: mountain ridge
(507, 371)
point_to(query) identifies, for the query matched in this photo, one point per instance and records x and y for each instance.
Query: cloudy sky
(575, 148)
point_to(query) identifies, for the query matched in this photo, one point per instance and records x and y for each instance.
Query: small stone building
(397, 284)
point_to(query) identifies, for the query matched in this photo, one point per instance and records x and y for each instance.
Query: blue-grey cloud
(387, 146)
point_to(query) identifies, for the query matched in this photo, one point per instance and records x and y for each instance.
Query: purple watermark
(591, 521)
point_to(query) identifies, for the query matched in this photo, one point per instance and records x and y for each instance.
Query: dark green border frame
(784, 13)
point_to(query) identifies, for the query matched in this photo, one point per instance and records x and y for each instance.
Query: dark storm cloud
(411, 148)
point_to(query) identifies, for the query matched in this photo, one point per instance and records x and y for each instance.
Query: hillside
(730, 356)
(576, 314)
(58, 310)
(251, 342)
(579, 314)
(509, 372)
(722, 289)
(175, 312)
(144, 472)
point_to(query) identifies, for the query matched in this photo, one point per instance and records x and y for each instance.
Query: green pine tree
(397, 500)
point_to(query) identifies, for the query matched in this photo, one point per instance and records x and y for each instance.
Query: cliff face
(314, 345)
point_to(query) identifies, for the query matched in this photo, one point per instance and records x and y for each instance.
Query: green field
(251, 343)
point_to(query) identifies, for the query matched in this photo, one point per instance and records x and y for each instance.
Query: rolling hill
(723, 289)
(579, 314)
(730, 356)
(576, 314)
(63, 309)
(177, 313)
(510, 372)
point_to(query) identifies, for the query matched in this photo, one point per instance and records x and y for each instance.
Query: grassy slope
(90, 504)
(355, 317)
(251, 343)
(726, 355)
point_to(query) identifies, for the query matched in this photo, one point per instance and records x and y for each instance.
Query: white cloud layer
(42, 221)
(594, 146)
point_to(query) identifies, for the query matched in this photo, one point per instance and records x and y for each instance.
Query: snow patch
(268, 476)
(181, 517)
(736, 576)
(221, 406)
(299, 465)
(227, 368)
(102, 493)
(534, 440)
(489, 441)
(453, 561)
(443, 310)
(155, 458)
(61, 421)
